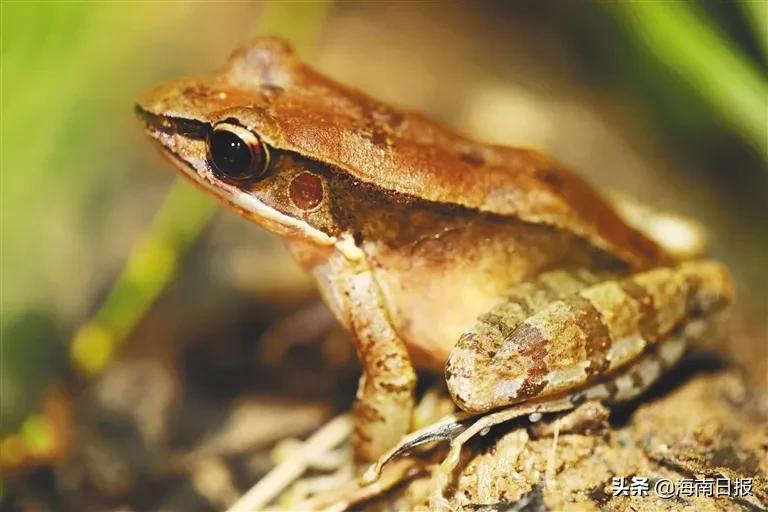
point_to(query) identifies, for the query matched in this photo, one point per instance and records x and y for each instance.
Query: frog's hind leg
(607, 341)
(625, 385)
(574, 340)
(459, 428)
(566, 338)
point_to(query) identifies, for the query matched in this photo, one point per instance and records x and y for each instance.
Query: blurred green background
(79, 185)
(663, 100)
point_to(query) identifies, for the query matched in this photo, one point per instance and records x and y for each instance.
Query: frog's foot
(446, 429)
(443, 474)
(588, 418)
(457, 429)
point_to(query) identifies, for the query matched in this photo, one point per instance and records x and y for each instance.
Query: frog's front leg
(385, 394)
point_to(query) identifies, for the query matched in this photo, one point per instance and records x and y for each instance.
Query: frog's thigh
(522, 350)
(385, 396)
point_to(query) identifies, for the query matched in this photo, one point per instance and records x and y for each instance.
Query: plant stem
(184, 214)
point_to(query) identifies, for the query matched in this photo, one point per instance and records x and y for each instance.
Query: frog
(494, 266)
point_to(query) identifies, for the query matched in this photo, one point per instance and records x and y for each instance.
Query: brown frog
(493, 264)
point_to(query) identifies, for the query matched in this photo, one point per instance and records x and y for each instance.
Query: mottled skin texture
(562, 330)
(414, 233)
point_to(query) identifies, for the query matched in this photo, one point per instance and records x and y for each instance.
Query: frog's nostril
(142, 114)
(153, 121)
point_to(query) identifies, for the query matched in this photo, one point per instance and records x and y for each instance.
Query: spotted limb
(565, 330)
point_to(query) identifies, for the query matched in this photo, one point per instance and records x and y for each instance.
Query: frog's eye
(236, 153)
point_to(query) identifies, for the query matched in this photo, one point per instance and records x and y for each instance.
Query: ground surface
(706, 427)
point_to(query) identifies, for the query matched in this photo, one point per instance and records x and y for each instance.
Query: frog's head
(220, 132)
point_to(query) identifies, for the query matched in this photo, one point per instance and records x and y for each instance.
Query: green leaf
(678, 34)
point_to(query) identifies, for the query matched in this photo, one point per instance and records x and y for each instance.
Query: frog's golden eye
(236, 154)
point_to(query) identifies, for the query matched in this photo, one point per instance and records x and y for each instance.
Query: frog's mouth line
(160, 128)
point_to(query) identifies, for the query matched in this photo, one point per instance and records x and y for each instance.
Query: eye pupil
(233, 157)
(230, 154)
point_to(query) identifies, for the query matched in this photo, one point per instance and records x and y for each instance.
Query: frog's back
(295, 108)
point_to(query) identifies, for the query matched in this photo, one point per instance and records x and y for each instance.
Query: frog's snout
(151, 122)
(156, 123)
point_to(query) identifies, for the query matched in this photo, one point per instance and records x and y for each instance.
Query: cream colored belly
(435, 292)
